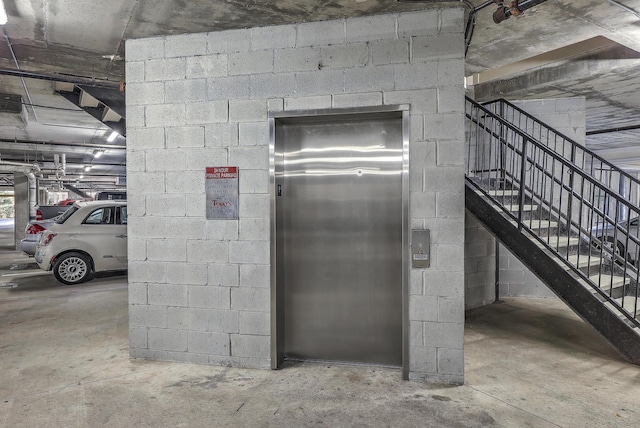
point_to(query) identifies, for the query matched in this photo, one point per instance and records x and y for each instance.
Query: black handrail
(509, 156)
(575, 147)
(552, 153)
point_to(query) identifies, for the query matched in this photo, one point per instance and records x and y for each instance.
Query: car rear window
(68, 213)
(102, 215)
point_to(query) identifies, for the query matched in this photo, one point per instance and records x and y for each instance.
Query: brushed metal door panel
(341, 232)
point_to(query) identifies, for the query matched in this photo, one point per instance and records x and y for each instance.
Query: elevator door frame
(277, 304)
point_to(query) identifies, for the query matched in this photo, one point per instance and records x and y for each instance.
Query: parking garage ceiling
(559, 48)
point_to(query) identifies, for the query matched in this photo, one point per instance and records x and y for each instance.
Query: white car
(32, 234)
(621, 240)
(89, 237)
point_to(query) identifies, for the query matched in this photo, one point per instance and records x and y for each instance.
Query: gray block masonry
(200, 289)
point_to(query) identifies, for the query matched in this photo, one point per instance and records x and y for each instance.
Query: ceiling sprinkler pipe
(501, 14)
(515, 8)
(96, 83)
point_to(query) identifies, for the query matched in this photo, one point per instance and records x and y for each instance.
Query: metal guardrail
(616, 180)
(557, 203)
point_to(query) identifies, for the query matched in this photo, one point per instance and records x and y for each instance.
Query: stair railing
(555, 202)
(604, 171)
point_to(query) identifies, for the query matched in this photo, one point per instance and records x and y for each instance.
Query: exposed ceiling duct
(12, 110)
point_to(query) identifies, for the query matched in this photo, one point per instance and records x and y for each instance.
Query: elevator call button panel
(420, 249)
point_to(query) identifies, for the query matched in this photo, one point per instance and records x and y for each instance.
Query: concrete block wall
(479, 264)
(200, 289)
(22, 208)
(568, 116)
(565, 115)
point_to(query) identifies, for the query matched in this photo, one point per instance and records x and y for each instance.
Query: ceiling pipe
(60, 164)
(471, 22)
(618, 129)
(24, 84)
(515, 8)
(74, 148)
(98, 83)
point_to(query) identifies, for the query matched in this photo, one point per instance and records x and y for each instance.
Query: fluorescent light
(97, 153)
(3, 13)
(113, 135)
(87, 168)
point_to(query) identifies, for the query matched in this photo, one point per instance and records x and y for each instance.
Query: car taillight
(38, 215)
(47, 238)
(34, 229)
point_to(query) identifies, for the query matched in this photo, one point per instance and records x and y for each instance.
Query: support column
(21, 201)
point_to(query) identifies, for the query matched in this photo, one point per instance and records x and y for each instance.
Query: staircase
(567, 214)
(104, 103)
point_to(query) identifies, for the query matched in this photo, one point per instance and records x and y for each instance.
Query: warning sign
(221, 188)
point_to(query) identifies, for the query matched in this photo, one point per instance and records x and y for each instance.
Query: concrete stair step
(525, 207)
(538, 224)
(630, 304)
(562, 241)
(503, 193)
(608, 281)
(584, 261)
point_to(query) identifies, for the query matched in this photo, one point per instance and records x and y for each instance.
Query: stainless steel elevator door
(341, 232)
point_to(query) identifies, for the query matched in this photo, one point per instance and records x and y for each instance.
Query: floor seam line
(511, 405)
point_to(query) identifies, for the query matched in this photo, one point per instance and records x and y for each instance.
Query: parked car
(620, 240)
(67, 202)
(44, 212)
(89, 237)
(32, 234)
(111, 195)
(6, 224)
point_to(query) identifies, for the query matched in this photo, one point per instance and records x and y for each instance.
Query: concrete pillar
(21, 200)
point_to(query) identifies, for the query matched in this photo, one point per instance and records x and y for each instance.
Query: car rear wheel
(72, 268)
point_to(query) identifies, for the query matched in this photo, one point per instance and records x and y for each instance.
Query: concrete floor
(64, 363)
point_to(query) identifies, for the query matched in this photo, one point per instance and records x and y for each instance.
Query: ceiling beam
(619, 153)
(556, 55)
(529, 82)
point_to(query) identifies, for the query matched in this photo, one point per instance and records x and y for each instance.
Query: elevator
(339, 192)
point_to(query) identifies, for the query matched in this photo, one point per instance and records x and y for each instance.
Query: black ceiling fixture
(515, 8)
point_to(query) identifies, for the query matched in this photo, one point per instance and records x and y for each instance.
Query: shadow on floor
(538, 323)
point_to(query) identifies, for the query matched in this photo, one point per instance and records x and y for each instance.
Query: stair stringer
(586, 303)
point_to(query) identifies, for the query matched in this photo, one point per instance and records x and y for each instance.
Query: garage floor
(64, 363)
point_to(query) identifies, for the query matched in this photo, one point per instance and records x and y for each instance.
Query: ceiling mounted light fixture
(514, 8)
(113, 135)
(97, 153)
(87, 168)
(3, 13)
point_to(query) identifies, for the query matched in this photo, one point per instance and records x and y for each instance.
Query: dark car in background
(111, 195)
